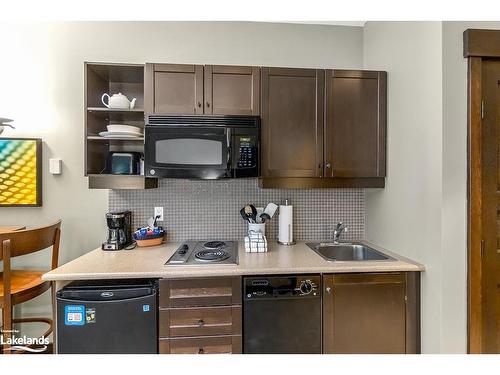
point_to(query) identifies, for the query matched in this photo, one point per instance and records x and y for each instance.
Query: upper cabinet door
(355, 131)
(174, 89)
(292, 122)
(232, 90)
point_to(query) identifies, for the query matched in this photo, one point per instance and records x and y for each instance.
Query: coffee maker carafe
(119, 230)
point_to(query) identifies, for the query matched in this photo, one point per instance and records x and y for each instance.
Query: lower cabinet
(362, 313)
(200, 316)
(371, 313)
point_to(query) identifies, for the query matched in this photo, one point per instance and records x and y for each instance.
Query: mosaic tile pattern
(210, 209)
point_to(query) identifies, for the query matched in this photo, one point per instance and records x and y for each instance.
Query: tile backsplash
(210, 209)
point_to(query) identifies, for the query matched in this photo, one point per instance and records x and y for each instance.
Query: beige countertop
(149, 262)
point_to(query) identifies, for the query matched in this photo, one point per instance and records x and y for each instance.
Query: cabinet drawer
(200, 321)
(201, 345)
(200, 292)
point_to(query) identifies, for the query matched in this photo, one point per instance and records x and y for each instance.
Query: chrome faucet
(337, 232)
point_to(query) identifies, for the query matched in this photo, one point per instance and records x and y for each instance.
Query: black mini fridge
(108, 317)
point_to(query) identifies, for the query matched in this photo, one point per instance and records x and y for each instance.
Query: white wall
(406, 215)
(423, 210)
(41, 76)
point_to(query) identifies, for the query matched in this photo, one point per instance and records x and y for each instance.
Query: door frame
(479, 44)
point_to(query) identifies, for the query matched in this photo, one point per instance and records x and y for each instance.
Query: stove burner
(214, 244)
(211, 255)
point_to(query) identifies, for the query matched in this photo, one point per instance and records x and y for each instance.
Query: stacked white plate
(122, 131)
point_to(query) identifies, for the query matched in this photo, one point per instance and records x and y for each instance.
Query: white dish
(120, 135)
(123, 128)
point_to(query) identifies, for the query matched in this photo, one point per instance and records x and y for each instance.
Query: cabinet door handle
(201, 351)
(328, 290)
(199, 104)
(208, 104)
(328, 165)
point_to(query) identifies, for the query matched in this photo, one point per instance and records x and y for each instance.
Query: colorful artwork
(20, 172)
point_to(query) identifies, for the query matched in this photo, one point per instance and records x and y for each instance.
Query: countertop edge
(319, 265)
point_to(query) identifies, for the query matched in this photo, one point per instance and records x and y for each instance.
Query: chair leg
(7, 327)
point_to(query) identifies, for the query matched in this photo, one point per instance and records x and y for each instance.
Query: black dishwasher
(282, 314)
(101, 317)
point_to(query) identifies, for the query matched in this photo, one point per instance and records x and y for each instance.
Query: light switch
(55, 166)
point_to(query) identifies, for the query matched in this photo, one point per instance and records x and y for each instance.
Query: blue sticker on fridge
(74, 315)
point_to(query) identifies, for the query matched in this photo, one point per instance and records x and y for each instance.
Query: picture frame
(20, 172)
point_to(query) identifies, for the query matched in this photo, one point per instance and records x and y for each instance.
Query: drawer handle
(201, 323)
(201, 351)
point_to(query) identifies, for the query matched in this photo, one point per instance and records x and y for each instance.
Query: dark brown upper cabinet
(292, 122)
(174, 89)
(232, 90)
(355, 126)
(367, 314)
(198, 89)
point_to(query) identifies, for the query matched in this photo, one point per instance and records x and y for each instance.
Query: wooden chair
(18, 286)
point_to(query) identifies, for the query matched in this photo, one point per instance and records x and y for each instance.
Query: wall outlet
(159, 212)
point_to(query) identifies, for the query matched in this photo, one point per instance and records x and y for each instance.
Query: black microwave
(202, 147)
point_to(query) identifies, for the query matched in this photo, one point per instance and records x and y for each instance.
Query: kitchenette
(287, 300)
(236, 216)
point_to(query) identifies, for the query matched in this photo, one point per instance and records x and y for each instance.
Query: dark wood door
(174, 89)
(364, 313)
(355, 128)
(292, 122)
(232, 90)
(490, 257)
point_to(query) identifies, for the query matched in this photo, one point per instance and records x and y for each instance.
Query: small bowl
(123, 128)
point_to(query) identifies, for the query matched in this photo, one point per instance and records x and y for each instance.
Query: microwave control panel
(247, 151)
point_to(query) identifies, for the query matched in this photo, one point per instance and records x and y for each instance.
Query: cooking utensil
(264, 217)
(251, 213)
(271, 209)
(254, 213)
(248, 213)
(260, 210)
(243, 214)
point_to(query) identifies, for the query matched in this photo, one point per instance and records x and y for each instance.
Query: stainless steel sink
(347, 252)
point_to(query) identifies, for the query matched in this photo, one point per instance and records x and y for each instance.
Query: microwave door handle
(228, 140)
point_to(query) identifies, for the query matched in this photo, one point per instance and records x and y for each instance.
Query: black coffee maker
(119, 230)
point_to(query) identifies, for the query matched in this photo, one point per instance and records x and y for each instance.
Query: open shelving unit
(103, 78)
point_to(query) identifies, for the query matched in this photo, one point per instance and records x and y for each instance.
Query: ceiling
(331, 23)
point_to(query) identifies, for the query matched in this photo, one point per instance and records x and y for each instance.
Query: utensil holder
(257, 228)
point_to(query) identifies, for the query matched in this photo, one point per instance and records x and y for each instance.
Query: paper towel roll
(285, 234)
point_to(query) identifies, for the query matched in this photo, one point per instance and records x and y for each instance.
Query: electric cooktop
(211, 252)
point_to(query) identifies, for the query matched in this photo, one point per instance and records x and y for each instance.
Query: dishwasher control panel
(296, 286)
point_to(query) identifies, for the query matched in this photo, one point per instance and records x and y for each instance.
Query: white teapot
(118, 101)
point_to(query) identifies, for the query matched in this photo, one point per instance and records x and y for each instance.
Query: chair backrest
(29, 241)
